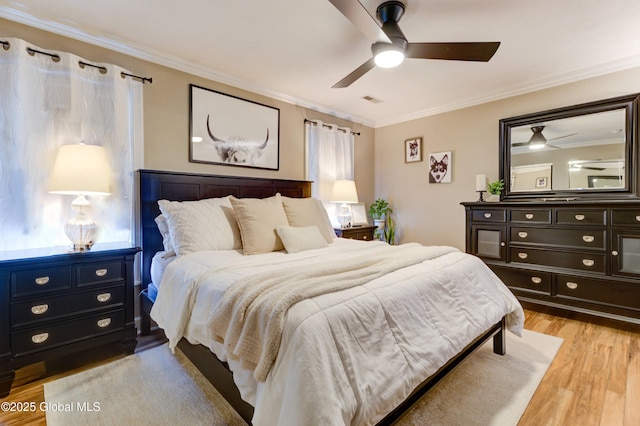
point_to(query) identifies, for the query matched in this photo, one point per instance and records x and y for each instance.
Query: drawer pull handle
(614, 253)
(638, 218)
(579, 217)
(42, 280)
(364, 237)
(522, 234)
(487, 215)
(587, 262)
(104, 322)
(39, 309)
(536, 280)
(523, 255)
(529, 215)
(103, 297)
(502, 244)
(39, 338)
(572, 285)
(588, 238)
(101, 272)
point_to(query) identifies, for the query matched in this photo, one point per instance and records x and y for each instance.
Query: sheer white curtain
(46, 103)
(329, 158)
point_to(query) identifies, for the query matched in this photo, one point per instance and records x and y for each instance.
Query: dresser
(364, 233)
(581, 256)
(57, 304)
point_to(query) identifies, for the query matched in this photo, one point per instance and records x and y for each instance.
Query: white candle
(481, 182)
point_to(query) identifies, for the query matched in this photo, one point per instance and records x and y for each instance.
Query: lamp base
(81, 229)
(344, 216)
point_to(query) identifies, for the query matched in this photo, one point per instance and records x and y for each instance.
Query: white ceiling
(295, 50)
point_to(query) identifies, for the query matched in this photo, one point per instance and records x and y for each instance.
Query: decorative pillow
(163, 227)
(258, 219)
(208, 224)
(309, 212)
(297, 239)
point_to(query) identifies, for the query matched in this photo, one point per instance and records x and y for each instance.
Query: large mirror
(586, 150)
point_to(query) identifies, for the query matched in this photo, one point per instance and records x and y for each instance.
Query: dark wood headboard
(161, 185)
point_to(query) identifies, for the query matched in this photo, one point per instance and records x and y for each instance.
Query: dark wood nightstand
(364, 233)
(55, 304)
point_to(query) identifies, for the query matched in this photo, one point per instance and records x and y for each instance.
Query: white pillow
(257, 220)
(208, 224)
(163, 227)
(297, 239)
(309, 212)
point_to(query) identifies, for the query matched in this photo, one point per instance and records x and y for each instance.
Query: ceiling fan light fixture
(387, 55)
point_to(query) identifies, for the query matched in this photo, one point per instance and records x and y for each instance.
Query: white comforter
(347, 357)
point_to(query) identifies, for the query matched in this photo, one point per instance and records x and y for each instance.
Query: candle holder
(480, 192)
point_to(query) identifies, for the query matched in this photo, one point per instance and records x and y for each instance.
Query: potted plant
(495, 189)
(380, 212)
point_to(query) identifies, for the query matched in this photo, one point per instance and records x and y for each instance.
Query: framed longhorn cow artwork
(232, 131)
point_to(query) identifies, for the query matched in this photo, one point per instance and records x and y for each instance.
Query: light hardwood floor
(594, 379)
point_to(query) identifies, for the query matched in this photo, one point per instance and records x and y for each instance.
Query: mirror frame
(629, 103)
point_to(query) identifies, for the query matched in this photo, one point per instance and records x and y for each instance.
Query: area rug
(155, 387)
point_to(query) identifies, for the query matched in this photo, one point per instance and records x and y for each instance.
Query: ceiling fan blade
(355, 12)
(560, 137)
(481, 51)
(593, 168)
(356, 74)
(520, 144)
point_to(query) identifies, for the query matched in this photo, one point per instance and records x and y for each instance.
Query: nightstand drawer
(49, 336)
(46, 308)
(99, 273)
(40, 280)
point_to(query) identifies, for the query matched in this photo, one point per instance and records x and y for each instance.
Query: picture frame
(541, 182)
(358, 215)
(413, 150)
(231, 131)
(440, 167)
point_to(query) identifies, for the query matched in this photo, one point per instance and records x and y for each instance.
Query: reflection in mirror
(531, 177)
(596, 174)
(565, 141)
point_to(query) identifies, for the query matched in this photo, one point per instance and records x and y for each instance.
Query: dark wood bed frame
(158, 185)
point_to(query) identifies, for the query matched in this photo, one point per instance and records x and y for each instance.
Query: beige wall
(431, 213)
(166, 115)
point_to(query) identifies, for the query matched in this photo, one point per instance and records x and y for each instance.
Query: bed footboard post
(500, 339)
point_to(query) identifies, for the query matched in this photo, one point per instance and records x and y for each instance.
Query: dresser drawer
(599, 291)
(591, 262)
(524, 279)
(51, 307)
(40, 280)
(531, 215)
(620, 217)
(99, 273)
(489, 215)
(581, 217)
(49, 336)
(595, 239)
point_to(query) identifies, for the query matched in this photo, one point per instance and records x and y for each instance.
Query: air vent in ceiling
(372, 99)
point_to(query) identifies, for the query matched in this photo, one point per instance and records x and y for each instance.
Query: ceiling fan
(538, 140)
(390, 45)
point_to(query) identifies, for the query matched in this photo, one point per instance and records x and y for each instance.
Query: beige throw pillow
(208, 224)
(258, 220)
(309, 212)
(297, 239)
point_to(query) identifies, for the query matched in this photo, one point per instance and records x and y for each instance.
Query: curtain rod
(315, 123)
(56, 58)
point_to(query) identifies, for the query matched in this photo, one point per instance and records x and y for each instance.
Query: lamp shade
(344, 191)
(80, 169)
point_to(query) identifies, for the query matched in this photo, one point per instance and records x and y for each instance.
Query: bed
(331, 383)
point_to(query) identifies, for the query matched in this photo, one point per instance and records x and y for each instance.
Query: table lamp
(81, 170)
(344, 192)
